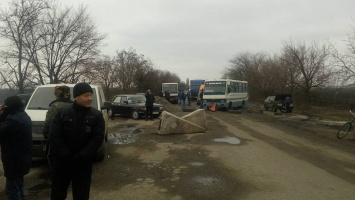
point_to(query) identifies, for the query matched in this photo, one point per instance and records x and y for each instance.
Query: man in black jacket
(75, 135)
(149, 101)
(16, 145)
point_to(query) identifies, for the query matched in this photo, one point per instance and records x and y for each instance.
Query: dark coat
(150, 99)
(54, 106)
(76, 134)
(16, 143)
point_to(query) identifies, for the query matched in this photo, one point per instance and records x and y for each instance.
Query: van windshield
(43, 96)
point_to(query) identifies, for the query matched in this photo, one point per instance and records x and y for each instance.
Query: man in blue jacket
(16, 145)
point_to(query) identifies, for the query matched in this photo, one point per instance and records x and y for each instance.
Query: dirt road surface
(245, 156)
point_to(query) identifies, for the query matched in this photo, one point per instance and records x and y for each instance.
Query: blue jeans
(14, 188)
(182, 102)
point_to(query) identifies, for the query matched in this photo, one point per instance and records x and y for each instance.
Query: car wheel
(274, 108)
(111, 113)
(135, 114)
(265, 107)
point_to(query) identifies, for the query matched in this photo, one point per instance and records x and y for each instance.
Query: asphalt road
(247, 155)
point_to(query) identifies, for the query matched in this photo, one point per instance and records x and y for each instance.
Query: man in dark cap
(149, 102)
(75, 135)
(16, 145)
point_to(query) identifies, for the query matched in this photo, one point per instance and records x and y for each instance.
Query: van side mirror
(106, 105)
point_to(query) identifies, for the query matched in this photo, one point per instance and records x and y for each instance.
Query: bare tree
(17, 24)
(104, 73)
(128, 63)
(69, 42)
(247, 66)
(345, 61)
(311, 61)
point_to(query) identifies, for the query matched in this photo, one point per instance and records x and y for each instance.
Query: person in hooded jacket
(62, 94)
(16, 146)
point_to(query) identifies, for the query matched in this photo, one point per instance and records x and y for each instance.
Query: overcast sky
(197, 38)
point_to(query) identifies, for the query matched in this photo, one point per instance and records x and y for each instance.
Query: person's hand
(2, 108)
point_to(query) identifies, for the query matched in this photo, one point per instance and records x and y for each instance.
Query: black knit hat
(13, 103)
(82, 88)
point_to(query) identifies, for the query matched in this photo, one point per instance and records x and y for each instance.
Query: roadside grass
(315, 112)
(325, 113)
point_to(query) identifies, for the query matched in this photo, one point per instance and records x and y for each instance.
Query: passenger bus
(173, 90)
(226, 93)
(194, 87)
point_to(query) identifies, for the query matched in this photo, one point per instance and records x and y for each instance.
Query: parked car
(277, 102)
(37, 108)
(131, 105)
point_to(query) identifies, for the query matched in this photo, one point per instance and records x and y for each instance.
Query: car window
(136, 99)
(123, 99)
(117, 100)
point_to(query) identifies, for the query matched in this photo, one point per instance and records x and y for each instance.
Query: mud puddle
(124, 135)
(229, 140)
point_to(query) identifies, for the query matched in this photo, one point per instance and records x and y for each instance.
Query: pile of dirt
(167, 106)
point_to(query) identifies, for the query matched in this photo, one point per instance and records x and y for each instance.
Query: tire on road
(135, 114)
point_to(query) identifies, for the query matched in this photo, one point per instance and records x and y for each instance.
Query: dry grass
(326, 113)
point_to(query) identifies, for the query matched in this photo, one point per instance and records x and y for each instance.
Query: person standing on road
(201, 98)
(62, 94)
(167, 95)
(188, 95)
(288, 102)
(149, 101)
(16, 146)
(179, 97)
(75, 135)
(182, 100)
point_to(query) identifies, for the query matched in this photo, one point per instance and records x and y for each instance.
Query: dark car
(278, 102)
(131, 105)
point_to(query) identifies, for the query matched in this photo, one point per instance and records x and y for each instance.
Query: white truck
(37, 108)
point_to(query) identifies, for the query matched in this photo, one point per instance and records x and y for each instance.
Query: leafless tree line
(313, 73)
(44, 42)
(128, 72)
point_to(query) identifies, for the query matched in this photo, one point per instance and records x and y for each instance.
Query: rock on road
(242, 156)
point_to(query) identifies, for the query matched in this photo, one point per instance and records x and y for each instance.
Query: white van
(37, 108)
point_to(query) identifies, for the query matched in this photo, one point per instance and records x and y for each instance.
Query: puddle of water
(198, 164)
(124, 135)
(207, 181)
(230, 140)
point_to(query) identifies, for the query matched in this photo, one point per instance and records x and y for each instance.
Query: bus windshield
(215, 88)
(173, 88)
